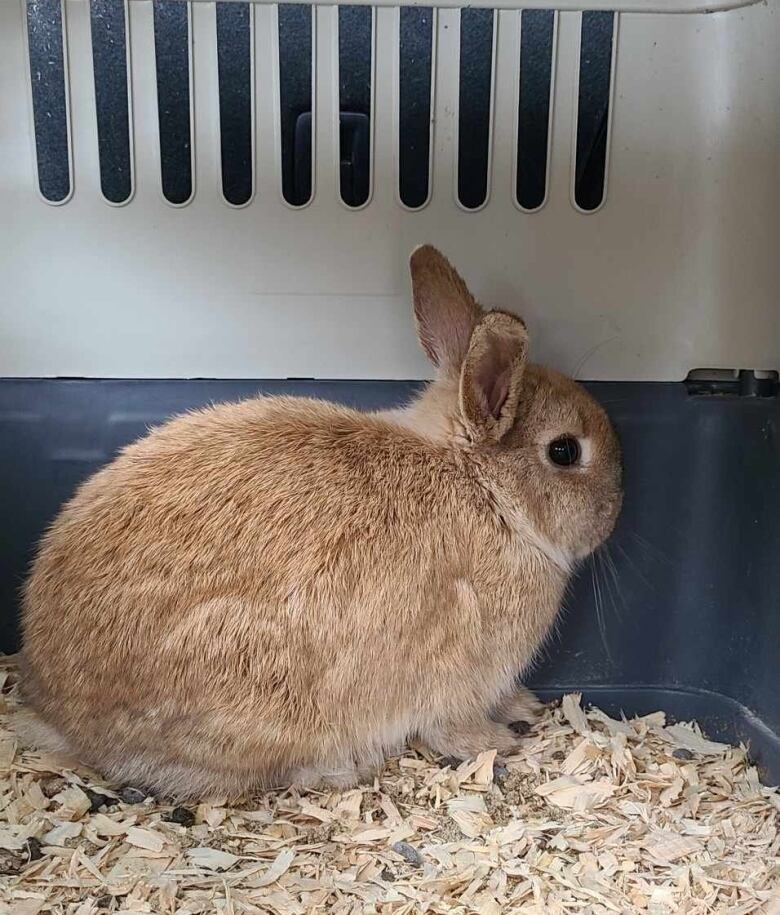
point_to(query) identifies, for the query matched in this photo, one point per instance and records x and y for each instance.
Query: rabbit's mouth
(605, 517)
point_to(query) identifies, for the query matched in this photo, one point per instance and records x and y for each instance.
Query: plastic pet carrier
(202, 200)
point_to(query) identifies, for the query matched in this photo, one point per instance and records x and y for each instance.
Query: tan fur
(286, 589)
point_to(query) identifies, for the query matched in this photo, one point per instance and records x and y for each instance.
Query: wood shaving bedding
(593, 816)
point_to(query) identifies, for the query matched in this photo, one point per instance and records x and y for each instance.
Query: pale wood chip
(612, 725)
(573, 793)
(316, 813)
(61, 833)
(145, 838)
(32, 905)
(483, 774)
(666, 846)
(105, 826)
(349, 805)
(211, 858)
(574, 714)
(73, 803)
(687, 738)
(365, 835)
(279, 867)
(7, 752)
(470, 815)
(12, 838)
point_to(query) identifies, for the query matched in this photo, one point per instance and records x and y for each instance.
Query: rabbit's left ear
(491, 376)
(444, 308)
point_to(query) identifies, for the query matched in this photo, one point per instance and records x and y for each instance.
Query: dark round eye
(564, 451)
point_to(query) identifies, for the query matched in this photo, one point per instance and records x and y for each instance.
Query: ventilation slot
(172, 55)
(537, 34)
(49, 97)
(234, 62)
(474, 112)
(112, 101)
(295, 101)
(596, 52)
(355, 85)
(414, 116)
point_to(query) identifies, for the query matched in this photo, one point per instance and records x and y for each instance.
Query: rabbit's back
(247, 495)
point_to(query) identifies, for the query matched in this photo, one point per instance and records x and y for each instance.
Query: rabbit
(286, 591)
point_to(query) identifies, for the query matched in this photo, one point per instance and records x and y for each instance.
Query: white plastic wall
(679, 269)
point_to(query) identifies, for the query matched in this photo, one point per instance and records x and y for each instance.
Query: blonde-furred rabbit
(285, 589)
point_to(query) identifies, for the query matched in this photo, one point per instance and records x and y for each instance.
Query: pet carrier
(205, 200)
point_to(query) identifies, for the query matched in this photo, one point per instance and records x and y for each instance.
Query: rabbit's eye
(564, 452)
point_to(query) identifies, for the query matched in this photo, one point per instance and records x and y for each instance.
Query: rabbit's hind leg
(519, 705)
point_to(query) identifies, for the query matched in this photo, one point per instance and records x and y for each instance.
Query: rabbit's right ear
(445, 310)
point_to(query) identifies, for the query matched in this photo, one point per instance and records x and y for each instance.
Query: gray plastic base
(690, 621)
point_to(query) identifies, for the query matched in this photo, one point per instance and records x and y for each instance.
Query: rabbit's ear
(492, 375)
(445, 310)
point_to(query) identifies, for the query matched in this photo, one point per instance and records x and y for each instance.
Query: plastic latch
(354, 157)
(732, 383)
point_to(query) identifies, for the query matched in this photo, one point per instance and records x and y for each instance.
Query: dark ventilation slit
(414, 115)
(49, 98)
(172, 55)
(476, 82)
(112, 103)
(295, 101)
(537, 32)
(234, 64)
(597, 36)
(355, 41)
